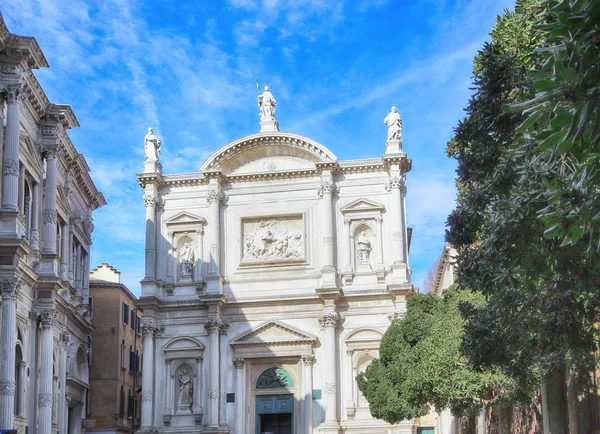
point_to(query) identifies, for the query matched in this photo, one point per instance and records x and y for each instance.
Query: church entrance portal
(274, 414)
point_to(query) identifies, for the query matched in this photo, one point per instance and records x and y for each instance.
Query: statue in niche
(152, 145)
(186, 258)
(185, 389)
(394, 123)
(267, 103)
(363, 248)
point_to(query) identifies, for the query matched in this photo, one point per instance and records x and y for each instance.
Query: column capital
(396, 183)
(308, 359)
(14, 93)
(150, 200)
(327, 187)
(215, 195)
(215, 325)
(149, 327)
(331, 319)
(47, 318)
(9, 288)
(239, 363)
(397, 314)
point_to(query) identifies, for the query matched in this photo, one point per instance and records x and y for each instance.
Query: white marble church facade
(271, 275)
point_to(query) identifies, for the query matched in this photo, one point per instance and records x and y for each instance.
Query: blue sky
(187, 68)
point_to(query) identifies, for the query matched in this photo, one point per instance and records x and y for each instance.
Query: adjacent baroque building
(271, 275)
(115, 377)
(47, 199)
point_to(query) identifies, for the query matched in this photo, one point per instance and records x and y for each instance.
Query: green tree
(421, 365)
(528, 202)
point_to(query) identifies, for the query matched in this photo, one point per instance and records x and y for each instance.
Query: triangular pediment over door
(273, 338)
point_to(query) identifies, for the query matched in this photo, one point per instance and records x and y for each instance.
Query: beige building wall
(112, 370)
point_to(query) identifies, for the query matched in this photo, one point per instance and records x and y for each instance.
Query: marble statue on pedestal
(363, 244)
(152, 145)
(394, 123)
(187, 260)
(267, 103)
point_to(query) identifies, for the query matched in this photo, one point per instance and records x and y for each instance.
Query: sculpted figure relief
(186, 258)
(266, 103)
(363, 248)
(185, 388)
(394, 123)
(268, 242)
(152, 145)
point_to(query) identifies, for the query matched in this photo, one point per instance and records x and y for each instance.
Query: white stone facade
(271, 275)
(47, 201)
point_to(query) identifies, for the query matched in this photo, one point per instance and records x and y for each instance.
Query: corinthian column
(10, 183)
(397, 187)
(8, 339)
(148, 331)
(47, 318)
(214, 199)
(150, 200)
(326, 192)
(329, 322)
(65, 338)
(50, 190)
(307, 418)
(213, 328)
(239, 395)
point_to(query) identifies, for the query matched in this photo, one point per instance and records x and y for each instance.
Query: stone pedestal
(269, 126)
(393, 146)
(152, 166)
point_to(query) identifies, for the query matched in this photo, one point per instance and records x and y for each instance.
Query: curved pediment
(268, 152)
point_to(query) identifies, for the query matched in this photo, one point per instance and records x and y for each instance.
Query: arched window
(123, 354)
(122, 402)
(274, 378)
(18, 408)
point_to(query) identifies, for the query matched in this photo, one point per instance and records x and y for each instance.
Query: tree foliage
(527, 208)
(420, 364)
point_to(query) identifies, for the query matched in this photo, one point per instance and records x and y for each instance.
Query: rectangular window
(138, 326)
(125, 313)
(132, 323)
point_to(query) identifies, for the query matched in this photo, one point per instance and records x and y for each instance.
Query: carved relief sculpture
(268, 240)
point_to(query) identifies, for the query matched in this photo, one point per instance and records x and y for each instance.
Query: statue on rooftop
(394, 123)
(266, 103)
(152, 145)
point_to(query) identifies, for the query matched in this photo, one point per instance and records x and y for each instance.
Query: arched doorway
(274, 412)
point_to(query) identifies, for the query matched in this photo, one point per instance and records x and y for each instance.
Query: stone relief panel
(267, 240)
